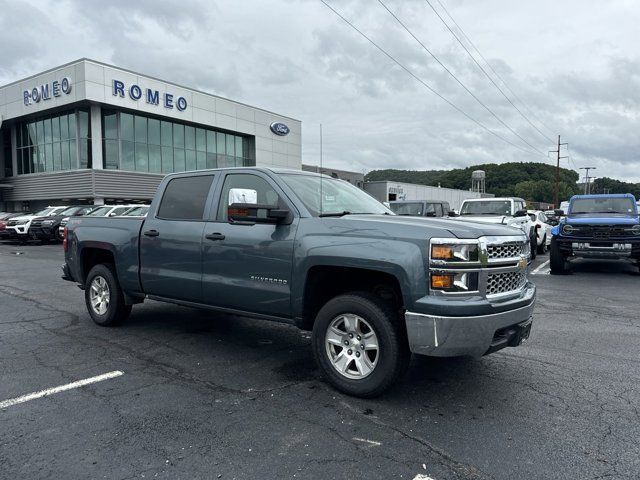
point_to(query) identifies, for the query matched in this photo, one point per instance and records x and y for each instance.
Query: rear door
(171, 239)
(248, 267)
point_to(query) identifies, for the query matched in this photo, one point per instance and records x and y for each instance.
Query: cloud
(579, 78)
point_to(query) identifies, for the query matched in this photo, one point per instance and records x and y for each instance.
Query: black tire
(393, 355)
(543, 248)
(533, 240)
(116, 311)
(557, 260)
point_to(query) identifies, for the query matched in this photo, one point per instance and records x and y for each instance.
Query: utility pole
(587, 188)
(556, 197)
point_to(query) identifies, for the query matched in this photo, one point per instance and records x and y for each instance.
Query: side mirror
(520, 213)
(559, 213)
(250, 213)
(112, 214)
(452, 213)
(430, 214)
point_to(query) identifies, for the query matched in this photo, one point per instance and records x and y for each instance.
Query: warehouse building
(355, 178)
(388, 191)
(92, 132)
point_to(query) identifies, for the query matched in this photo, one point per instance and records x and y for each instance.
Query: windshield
(486, 207)
(623, 206)
(338, 196)
(137, 211)
(45, 212)
(100, 212)
(414, 208)
(74, 210)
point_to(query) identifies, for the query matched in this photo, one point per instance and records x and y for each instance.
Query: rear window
(185, 198)
(415, 209)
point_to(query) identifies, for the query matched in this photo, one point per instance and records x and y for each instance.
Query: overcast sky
(574, 63)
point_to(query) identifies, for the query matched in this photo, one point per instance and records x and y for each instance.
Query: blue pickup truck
(318, 253)
(596, 226)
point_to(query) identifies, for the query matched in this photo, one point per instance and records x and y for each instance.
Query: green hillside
(531, 181)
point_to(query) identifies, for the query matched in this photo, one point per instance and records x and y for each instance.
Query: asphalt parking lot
(205, 395)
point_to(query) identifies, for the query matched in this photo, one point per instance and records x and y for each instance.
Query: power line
(456, 78)
(426, 85)
(484, 71)
(497, 74)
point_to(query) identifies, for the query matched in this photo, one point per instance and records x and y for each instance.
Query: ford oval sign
(279, 129)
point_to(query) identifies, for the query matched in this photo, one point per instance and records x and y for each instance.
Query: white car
(103, 211)
(542, 228)
(508, 211)
(18, 227)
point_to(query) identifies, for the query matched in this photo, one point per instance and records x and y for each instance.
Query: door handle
(214, 236)
(151, 233)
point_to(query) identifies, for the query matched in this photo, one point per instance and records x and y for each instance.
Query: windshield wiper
(335, 214)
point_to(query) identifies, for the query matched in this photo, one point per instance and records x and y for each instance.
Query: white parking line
(370, 442)
(61, 388)
(540, 267)
(422, 477)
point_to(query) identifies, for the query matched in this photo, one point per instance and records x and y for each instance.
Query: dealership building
(91, 132)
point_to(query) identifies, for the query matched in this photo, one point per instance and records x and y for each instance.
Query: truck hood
(418, 227)
(602, 219)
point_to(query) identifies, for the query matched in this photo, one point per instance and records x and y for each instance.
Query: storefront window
(50, 143)
(140, 143)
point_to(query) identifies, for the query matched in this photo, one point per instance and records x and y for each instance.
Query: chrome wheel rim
(99, 295)
(352, 346)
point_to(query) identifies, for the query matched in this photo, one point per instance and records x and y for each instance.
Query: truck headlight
(454, 282)
(463, 252)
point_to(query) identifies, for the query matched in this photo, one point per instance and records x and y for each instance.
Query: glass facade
(146, 144)
(54, 142)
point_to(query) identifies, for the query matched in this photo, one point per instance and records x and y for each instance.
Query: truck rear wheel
(360, 344)
(543, 247)
(104, 297)
(557, 260)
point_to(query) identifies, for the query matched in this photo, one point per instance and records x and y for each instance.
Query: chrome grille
(506, 250)
(505, 282)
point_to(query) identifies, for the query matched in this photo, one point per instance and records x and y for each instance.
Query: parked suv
(18, 227)
(510, 211)
(45, 229)
(596, 226)
(420, 208)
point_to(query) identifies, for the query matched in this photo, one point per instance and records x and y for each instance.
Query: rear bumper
(451, 336)
(66, 273)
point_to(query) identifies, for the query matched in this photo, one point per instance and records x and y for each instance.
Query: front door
(248, 267)
(171, 240)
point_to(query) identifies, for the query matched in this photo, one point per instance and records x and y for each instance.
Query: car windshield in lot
(610, 205)
(100, 212)
(488, 207)
(137, 211)
(45, 212)
(338, 197)
(409, 208)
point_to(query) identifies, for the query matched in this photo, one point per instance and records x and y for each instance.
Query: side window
(185, 198)
(245, 188)
(430, 209)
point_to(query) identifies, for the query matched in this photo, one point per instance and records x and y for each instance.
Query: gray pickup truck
(318, 253)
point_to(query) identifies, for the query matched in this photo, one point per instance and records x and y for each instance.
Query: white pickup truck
(510, 211)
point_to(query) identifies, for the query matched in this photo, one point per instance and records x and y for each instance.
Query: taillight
(65, 243)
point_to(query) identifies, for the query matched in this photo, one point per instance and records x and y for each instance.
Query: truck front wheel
(557, 260)
(104, 297)
(360, 344)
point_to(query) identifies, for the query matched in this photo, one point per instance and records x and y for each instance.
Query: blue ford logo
(279, 129)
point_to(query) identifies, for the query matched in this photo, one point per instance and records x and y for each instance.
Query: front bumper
(471, 335)
(599, 248)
